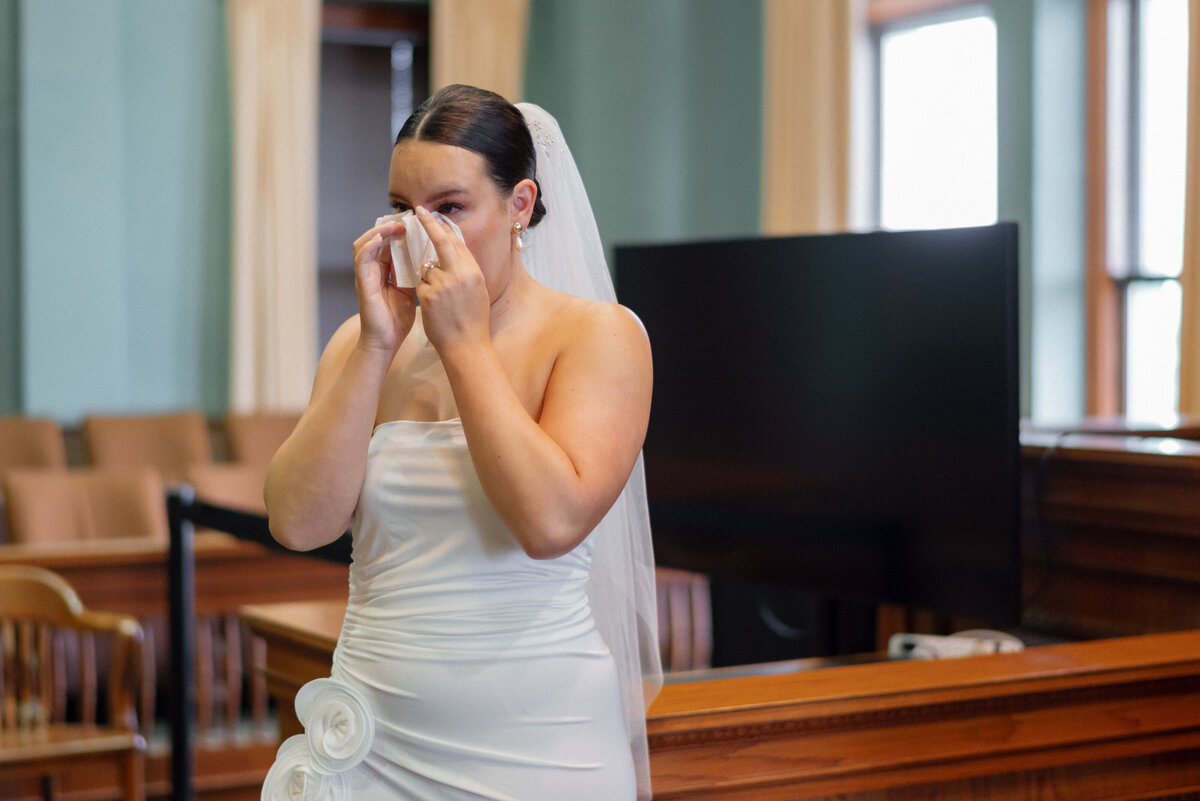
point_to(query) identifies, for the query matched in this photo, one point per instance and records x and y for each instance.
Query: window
(937, 120)
(1146, 96)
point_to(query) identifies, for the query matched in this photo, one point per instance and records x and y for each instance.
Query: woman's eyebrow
(441, 194)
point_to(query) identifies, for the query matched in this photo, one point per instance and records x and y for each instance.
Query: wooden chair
(684, 619)
(44, 733)
(168, 442)
(254, 438)
(28, 442)
(69, 505)
(221, 640)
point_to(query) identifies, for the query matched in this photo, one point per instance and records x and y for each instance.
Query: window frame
(1104, 295)
(1106, 288)
(1104, 312)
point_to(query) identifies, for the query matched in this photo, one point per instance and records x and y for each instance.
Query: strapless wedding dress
(479, 669)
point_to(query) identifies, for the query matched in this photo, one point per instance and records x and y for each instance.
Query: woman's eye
(449, 208)
(399, 208)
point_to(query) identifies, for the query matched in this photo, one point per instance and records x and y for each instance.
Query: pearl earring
(519, 230)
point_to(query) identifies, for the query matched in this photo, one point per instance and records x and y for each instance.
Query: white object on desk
(964, 643)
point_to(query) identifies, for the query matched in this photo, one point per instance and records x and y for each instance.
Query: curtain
(1189, 353)
(807, 108)
(274, 63)
(479, 42)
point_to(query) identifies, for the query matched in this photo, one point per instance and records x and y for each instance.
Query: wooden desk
(300, 638)
(1112, 719)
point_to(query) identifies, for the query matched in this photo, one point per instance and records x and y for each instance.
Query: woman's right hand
(386, 311)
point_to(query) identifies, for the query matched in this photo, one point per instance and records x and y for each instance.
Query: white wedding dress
(466, 669)
(483, 667)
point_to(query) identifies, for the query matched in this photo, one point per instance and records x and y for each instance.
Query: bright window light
(1163, 134)
(1153, 307)
(1152, 350)
(938, 125)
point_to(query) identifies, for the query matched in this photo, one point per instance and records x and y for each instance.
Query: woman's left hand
(453, 295)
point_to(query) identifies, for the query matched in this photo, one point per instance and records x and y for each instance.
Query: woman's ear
(521, 201)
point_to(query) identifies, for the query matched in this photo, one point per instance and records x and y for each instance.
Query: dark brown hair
(484, 123)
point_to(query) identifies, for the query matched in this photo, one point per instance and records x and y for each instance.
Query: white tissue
(338, 724)
(413, 248)
(292, 777)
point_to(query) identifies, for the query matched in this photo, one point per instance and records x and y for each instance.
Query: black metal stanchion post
(181, 600)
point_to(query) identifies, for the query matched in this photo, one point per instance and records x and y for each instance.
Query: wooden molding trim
(967, 724)
(920, 714)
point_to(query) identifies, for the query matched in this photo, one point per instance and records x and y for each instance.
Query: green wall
(114, 177)
(661, 103)
(123, 206)
(1042, 84)
(10, 244)
(1059, 200)
(123, 173)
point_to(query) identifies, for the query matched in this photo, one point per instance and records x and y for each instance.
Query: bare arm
(314, 479)
(553, 479)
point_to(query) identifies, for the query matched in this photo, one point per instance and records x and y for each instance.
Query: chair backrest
(31, 442)
(235, 485)
(684, 619)
(85, 504)
(167, 442)
(255, 437)
(44, 631)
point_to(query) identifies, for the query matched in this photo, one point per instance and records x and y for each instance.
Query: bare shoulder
(337, 350)
(601, 348)
(342, 341)
(590, 323)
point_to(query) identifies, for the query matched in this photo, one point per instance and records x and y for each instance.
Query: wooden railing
(1111, 719)
(235, 736)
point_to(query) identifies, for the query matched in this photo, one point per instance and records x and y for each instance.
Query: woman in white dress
(480, 435)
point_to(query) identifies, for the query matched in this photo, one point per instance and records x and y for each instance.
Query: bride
(480, 435)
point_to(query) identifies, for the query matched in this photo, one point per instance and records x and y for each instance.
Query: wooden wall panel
(1110, 534)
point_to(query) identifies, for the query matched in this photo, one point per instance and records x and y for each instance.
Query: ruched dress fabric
(484, 669)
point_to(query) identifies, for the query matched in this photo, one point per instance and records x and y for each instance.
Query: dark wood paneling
(1111, 534)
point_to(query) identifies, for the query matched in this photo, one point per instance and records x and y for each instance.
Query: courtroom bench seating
(124, 561)
(28, 442)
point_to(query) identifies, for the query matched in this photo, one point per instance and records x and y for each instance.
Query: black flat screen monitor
(838, 412)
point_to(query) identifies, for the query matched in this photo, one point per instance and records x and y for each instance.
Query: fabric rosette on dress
(339, 727)
(338, 723)
(292, 776)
